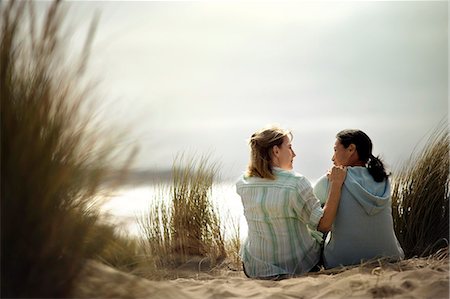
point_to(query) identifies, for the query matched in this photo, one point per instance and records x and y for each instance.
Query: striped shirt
(282, 217)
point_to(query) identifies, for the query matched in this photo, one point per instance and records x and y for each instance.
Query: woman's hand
(337, 174)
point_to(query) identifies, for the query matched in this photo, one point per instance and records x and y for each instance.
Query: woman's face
(284, 154)
(342, 155)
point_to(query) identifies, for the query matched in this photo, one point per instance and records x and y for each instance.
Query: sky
(201, 77)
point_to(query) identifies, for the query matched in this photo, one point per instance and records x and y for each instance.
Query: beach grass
(118, 249)
(188, 225)
(233, 246)
(420, 197)
(54, 155)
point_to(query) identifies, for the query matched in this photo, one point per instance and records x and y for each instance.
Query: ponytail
(376, 169)
(364, 148)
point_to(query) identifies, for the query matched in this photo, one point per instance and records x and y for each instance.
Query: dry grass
(187, 227)
(420, 198)
(53, 156)
(233, 247)
(118, 250)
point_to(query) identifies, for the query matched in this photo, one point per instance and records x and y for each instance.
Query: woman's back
(363, 228)
(277, 212)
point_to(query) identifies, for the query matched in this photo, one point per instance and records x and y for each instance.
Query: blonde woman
(281, 210)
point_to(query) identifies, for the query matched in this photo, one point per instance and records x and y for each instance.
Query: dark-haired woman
(363, 228)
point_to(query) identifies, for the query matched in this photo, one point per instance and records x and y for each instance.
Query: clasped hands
(337, 174)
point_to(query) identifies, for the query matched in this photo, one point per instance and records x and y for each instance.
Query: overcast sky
(201, 77)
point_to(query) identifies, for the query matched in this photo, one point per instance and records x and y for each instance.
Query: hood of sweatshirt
(373, 196)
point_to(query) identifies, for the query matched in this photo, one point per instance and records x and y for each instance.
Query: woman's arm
(336, 178)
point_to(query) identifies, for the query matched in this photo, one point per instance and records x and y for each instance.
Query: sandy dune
(415, 278)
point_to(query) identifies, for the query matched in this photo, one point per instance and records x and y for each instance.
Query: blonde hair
(261, 145)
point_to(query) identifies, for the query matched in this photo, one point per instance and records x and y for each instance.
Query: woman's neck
(358, 163)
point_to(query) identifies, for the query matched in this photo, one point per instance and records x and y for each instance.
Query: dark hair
(364, 148)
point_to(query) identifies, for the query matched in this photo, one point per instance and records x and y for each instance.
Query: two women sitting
(284, 213)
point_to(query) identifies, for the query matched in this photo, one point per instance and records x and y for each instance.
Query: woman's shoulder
(359, 171)
(293, 179)
(245, 178)
(289, 174)
(322, 180)
(286, 173)
(321, 188)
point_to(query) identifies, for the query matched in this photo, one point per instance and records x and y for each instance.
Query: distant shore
(136, 177)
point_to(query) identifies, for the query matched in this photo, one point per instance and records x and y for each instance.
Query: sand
(415, 278)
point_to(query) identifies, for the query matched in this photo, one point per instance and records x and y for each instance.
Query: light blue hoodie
(363, 228)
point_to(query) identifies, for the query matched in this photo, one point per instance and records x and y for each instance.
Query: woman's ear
(353, 152)
(351, 148)
(275, 150)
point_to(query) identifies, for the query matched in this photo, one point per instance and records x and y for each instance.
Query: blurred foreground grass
(54, 156)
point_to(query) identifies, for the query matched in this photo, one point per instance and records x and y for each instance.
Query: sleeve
(321, 189)
(308, 206)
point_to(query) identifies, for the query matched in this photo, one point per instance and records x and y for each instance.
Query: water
(128, 204)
